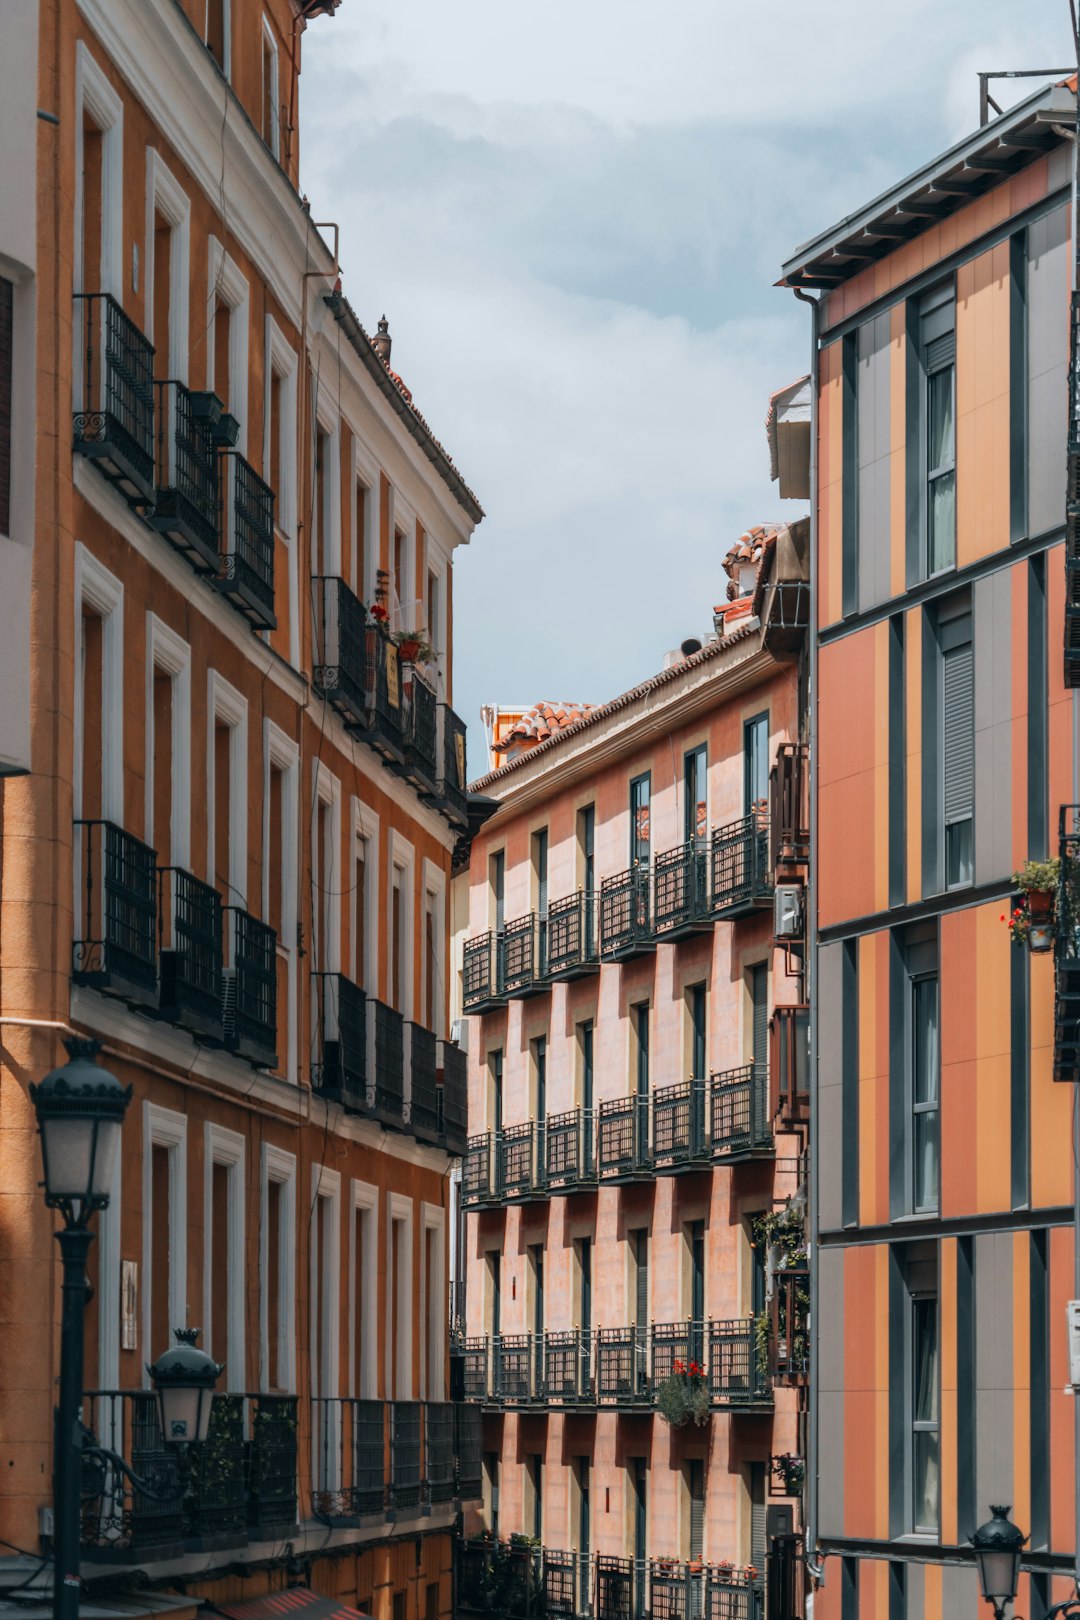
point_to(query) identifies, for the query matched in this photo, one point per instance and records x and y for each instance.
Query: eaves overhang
(982, 160)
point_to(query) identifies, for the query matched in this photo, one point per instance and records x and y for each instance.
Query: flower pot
(1040, 904)
(1041, 937)
(408, 650)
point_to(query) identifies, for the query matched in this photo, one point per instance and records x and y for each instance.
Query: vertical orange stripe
(868, 1010)
(881, 1394)
(947, 1296)
(1051, 1104)
(1021, 1359)
(993, 1124)
(859, 1373)
(959, 1079)
(913, 726)
(932, 1592)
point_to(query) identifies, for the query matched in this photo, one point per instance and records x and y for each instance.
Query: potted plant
(683, 1396)
(414, 647)
(1032, 921)
(791, 1470)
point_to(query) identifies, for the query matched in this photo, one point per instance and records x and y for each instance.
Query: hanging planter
(1032, 921)
(683, 1397)
(791, 1471)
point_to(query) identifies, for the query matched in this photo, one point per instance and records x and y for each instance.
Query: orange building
(943, 749)
(227, 611)
(634, 1315)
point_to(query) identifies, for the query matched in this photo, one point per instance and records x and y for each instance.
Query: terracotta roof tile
(542, 721)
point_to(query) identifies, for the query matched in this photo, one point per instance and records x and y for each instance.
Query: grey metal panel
(1047, 355)
(830, 1032)
(916, 1591)
(831, 1464)
(873, 451)
(829, 1315)
(993, 1366)
(829, 1324)
(959, 1591)
(992, 613)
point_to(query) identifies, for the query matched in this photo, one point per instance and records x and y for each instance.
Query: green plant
(791, 1470)
(783, 1230)
(683, 1396)
(1039, 877)
(762, 1340)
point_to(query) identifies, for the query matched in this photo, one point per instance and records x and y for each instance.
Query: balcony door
(640, 830)
(695, 799)
(637, 1485)
(755, 762)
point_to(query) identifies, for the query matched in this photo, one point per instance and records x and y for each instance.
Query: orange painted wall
(982, 405)
(852, 774)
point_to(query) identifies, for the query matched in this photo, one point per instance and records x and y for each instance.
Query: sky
(573, 215)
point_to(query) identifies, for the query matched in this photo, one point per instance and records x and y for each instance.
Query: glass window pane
(942, 522)
(959, 859)
(925, 1040)
(926, 1159)
(942, 451)
(925, 1355)
(925, 1472)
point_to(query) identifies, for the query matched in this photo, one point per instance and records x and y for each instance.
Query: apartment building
(226, 595)
(944, 749)
(633, 1326)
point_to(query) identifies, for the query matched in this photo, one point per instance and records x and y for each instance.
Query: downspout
(810, 1552)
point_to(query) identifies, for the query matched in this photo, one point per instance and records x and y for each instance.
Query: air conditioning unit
(788, 911)
(459, 1033)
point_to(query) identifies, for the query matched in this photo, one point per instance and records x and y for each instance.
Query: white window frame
(275, 132)
(326, 905)
(324, 1287)
(399, 1356)
(281, 363)
(108, 1287)
(434, 887)
(403, 860)
(163, 1127)
(96, 96)
(169, 654)
(224, 703)
(330, 559)
(226, 8)
(165, 196)
(228, 282)
(364, 546)
(365, 826)
(282, 754)
(279, 1167)
(364, 1201)
(435, 563)
(226, 1148)
(101, 591)
(402, 517)
(432, 1304)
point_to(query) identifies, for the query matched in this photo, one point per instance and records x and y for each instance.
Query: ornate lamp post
(998, 1545)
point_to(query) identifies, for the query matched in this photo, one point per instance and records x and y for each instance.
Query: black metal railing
(476, 1369)
(622, 1365)
(789, 806)
(622, 1137)
(477, 1179)
(250, 987)
(190, 951)
(1067, 948)
(501, 1578)
(567, 1584)
(113, 422)
(421, 732)
(681, 891)
(406, 1430)
(339, 1060)
(740, 866)
(626, 914)
(452, 784)
(520, 1580)
(678, 1125)
(567, 1368)
(453, 1098)
(187, 504)
(247, 540)
(423, 1103)
(571, 936)
(515, 1159)
(115, 947)
(242, 1485)
(349, 1472)
(739, 1109)
(482, 972)
(339, 656)
(468, 1447)
(513, 1368)
(386, 1060)
(569, 1150)
(521, 963)
(697, 1591)
(735, 1376)
(385, 699)
(619, 1593)
(439, 1483)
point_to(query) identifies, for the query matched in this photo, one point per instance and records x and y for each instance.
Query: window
(937, 347)
(957, 743)
(925, 1058)
(495, 1101)
(849, 545)
(271, 132)
(758, 984)
(323, 1283)
(639, 1250)
(164, 1278)
(534, 1472)
(277, 1267)
(497, 880)
(695, 792)
(539, 1067)
(224, 1290)
(364, 1291)
(540, 875)
(695, 1002)
(755, 762)
(399, 1305)
(493, 1259)
(640, 832)
(586, 832)
(640, 1017)
(168, 744)
(434, 1295)
(695, 1490)
(583, 1282)
(536, 1278)
(924, 1414)
(228, 317)
(217, 32)
(281, 774)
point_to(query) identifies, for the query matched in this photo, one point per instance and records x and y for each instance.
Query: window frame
(917, 1109)
(640, 800)
(754, 725)
(918, 1298)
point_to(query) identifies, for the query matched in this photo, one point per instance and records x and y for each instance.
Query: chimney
(382, 340)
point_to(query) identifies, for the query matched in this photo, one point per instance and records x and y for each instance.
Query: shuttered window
(641, 1279)
(958, 748)
(759, 995)
(937, 324)
(757, 1515)
(695, 1470)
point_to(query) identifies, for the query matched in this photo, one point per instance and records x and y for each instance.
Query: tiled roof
(750, 548)
(542, 721)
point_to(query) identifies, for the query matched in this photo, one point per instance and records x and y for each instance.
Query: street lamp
(80, 1111)
(998, 1545)
(184, 1378)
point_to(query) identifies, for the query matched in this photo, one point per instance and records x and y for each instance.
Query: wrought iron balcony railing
(519, 1580)
(453, 1098)
(469, 1441)
(386, 1063)
(340, 657)
(741, 881)
(349, 1474)
(679, 1138)
(476, 1369)
(789, 806)
(242, 1486)
(522, 962)
(788, 1325)
(514, 1368)
(482, 973)
(622, 1366)
(420, 734)
(739, 1109)
(681, 892)
(736, 1377)
(567, 1368)
(187, 504)
(113, 421)
(406, 1433)
(422, 1104)
(249, 988)
(1067, 949)
(477, 1171)
(339, 1062)
(439, 1471)
(515, 1160)
(569, 1150)
(385, 698)
(115, 948)
(623, 1151)
(626, 915)
(789, 1065)
(452, 783)
(247, 540)
(500, 1578)
(571, 937)
(190, 952)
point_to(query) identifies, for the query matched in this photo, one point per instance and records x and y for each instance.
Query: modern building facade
(227, 529)
(633, 1326)
(943, 749)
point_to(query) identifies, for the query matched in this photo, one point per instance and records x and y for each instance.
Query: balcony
(247, 541)
(789, 1310)
(697, 1591)
(406, 1430)
(477, 1179)
(739, 1110)
(789, 1078)
(622, 1366)
(339, 1066)
(571, 938)
(422, 1107)
(439, 1473)
(115, 949)
(481, 973)
(500, 1578)
(515, 1161)
(453, 1099)
(789, 806)
(679, 1141)
(339, 672)
(452, 783)
(113, 423)
(515, 1364)
(569, 1151)
(736, 1378)
(741, 882)
(190, 954)
(382, 683)
(622, 1134)
(420, 734)
(626, 916)
(476, 1370)
(519, 1580)
(567, 1583)
(681, 892)
(468, 1449)
(249, 992)
(242, 1487)
(522, 960)
(349, 1475)
(386, 1063)
(187, 504)
(567, 1368)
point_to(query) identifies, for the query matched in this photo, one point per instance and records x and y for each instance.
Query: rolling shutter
(642, 1278)
(759, 991)
(757, 1515)
(696, 1470)
(959, 733)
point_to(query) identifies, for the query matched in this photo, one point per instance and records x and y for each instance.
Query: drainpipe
(810, 1553)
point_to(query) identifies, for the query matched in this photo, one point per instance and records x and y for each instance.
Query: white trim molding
(164, 1128)
(324, 1290)
(279, 1167)
(364, 1203)
(433, 886)
(94, 95)
(365, 829)
(402, 859)
(229, 284)
(225, 1148)
(326, 884)
(282, 754)
(170, 653)
(281, 363)
(399, 1356)
(166, 196)
(225, 704)
(103, 593)
(432, 1301)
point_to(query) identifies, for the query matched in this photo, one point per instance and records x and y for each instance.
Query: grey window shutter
(697, 1508)
(941, 352)
(642, 1278)
(759, 990)
(959, 733)
(757, 1515)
